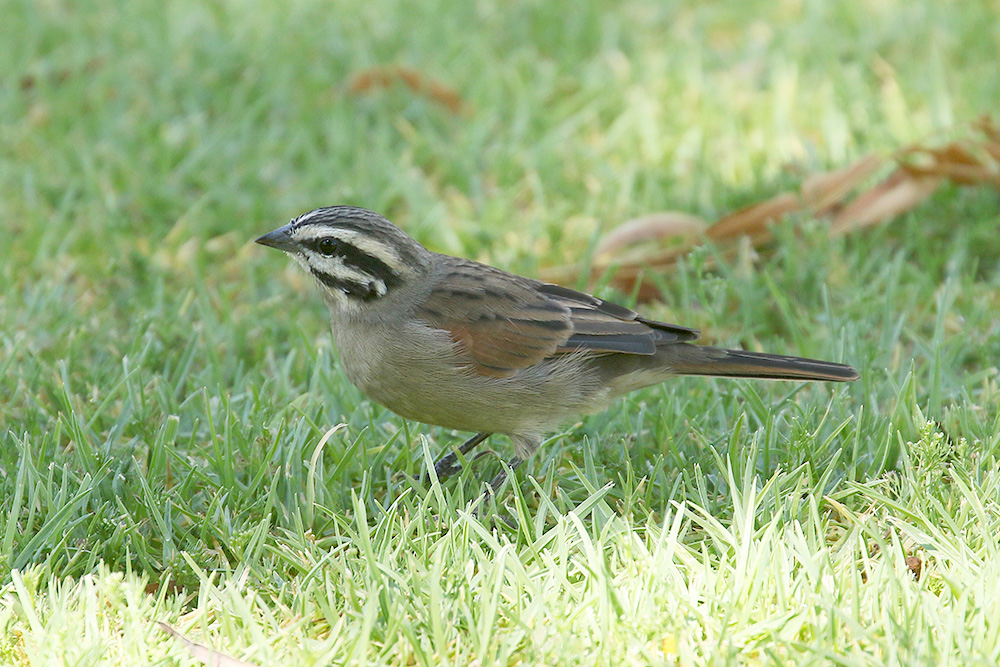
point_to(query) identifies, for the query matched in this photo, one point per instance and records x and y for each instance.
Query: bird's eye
(328, 246)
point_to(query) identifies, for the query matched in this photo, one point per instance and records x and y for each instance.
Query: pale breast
(418, 373)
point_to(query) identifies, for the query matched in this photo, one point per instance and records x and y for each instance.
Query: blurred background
(514, 130)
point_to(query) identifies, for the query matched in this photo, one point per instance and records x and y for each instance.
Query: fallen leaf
(206, 655)
(825, 190)
(896, 195)
(383, 77)
(753, 220)
(655, 226)
(962, 174)
(920, 170)
(987, 126)
(993, 149)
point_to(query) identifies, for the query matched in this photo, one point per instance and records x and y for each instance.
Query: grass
(169, 392)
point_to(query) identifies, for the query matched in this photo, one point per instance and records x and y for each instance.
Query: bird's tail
(687, 359)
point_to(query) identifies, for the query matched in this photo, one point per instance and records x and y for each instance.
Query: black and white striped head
(356, 256)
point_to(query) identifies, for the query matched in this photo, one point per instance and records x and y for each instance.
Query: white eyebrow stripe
(363, 242)
(313, 232)
(336, 267)
(338, 270)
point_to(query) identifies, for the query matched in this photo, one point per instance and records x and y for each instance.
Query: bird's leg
(447, 465)
(491, 490)
(502, 475)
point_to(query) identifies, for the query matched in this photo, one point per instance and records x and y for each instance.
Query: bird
(463, 345)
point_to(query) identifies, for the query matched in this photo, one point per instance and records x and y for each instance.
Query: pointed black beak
(279, 238)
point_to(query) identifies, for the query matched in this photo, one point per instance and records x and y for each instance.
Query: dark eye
(328, 246)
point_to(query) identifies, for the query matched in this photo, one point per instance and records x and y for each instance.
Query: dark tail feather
(686, 359)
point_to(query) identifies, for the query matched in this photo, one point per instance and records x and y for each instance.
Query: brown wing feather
(505, 322)
(500, 319)
(604, 326)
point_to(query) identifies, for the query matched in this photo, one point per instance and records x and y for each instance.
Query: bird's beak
(279, 238)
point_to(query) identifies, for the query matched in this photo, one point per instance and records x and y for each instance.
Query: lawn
(178, 443)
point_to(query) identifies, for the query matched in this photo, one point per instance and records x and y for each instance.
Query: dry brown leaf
(631, 280)
(828, 189)
(987, 126)
(624, 276)
(955, 162)
(383, 77)
(206, 655)
(896, 195)
(949, 154)
(920, 171)
(993, 149)
(962, 174)
(668, 224)
(753, 220)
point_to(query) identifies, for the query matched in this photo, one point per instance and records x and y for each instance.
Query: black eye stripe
(356, 259)
(353, 288)
(383, 276)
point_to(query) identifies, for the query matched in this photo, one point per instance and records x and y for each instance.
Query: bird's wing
(498, 319)
(603, 325)
(504, 323)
